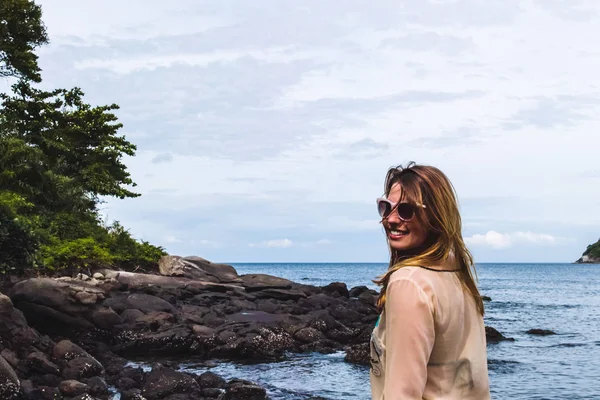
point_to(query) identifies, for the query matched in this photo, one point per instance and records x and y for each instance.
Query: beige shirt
(429, 342)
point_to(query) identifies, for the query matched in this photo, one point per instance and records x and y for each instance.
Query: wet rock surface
(192, 308)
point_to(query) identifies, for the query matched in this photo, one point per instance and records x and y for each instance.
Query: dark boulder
(358, 354)
(162, 382)
(336, 289)
(493, 336)
(9, 381)
(73, 388)
(197, 268)
(244, 390)
(541, 332)
(256, 282)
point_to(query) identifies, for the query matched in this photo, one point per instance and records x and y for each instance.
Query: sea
(564, 298)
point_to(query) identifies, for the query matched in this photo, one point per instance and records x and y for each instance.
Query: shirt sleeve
(410, 335)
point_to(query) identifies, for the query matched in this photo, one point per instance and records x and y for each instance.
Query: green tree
(21, 32)
(71, 152)
(59, 156)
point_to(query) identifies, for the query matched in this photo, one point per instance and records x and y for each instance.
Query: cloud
(171, 239)
(324, 241)
(498, 240)
(162, 158)
(275, 243)
(245, 132)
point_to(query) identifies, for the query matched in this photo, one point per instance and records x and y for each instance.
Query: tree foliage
(58, 157)
(21, 31)
(593, 250)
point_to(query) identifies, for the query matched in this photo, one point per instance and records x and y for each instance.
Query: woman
(429, 341)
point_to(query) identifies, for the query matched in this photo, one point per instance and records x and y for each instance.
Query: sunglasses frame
(394, 207)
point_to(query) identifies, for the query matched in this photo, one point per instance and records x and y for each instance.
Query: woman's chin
(400, 243)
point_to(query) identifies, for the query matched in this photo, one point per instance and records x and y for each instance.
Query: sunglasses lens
(406, 211)
(384, 208)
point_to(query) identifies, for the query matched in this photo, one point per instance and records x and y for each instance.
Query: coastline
(189, 307)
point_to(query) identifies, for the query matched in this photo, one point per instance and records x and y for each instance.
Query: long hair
(429, 186)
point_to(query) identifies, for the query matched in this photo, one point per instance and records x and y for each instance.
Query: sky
(265, 128)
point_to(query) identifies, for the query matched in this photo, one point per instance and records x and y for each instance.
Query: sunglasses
(405, 210)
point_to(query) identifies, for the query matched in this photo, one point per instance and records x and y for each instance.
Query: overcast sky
(265, 128)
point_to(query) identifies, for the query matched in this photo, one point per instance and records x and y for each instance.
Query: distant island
(591, 255)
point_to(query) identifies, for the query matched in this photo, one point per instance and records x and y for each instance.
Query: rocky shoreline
(70, 337)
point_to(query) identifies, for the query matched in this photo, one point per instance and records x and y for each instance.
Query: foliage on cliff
(58, 157)
(593, 250)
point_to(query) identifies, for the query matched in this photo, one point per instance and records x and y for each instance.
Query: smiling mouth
(398, 233)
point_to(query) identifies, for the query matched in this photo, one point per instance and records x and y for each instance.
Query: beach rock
(82, 367)
(162, 382)
(541, 332)
(9, 382)
(244, 390)
(65, 351)
(336, 289)
(486, 298)
(357, 290)
(97, 386)
(38, 362)
(493, 336)
(197, 268)
(309, 335)
(358, 354)
(256, 282)
(73, 388)
(211, 380)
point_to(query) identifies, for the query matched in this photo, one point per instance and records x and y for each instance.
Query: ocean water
(564, 298)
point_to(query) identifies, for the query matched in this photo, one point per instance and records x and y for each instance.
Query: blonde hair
(429, 186)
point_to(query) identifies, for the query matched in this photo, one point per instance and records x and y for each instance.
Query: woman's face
(404, 235)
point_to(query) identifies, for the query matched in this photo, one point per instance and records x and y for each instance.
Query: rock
(163, 381)
(82, 277)
(106, 318)
(256, 282)
(197, 268)
(97, 386)
(82, 367)
(211, 393)
(98, 276)
(541, 332)
(309, 335)
(255, 316)
(368, 298)
(493, 336)
(243, 390)
(10, 357)
(46, 393)
(336, 289)
(201, 330)
(38, 362)
(169, 340)
(171, 266)
(73, 388)
(131, 315)
(280, 294)
(9, 382)
(486, 298)
(222, 272)
(54, 306)
(356, 291)
(147, 303)
(65, 350)
(125, 383)
(132, 394)
(84, 396)
(358, 354)
(87, 297)
(211, 380)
